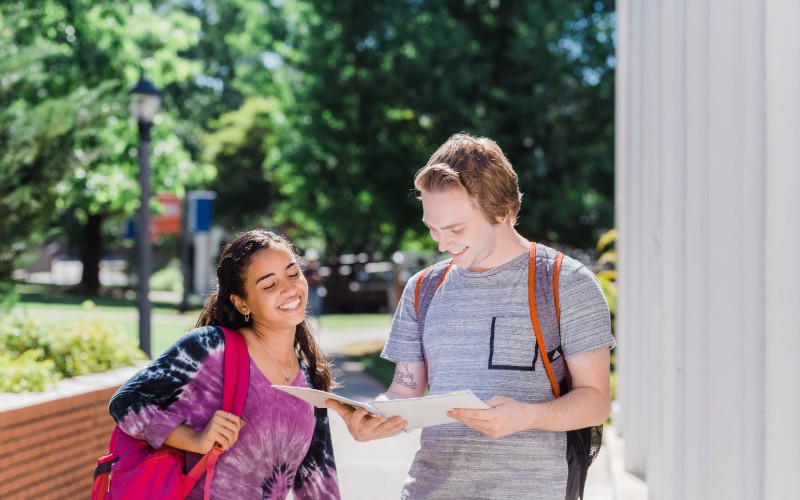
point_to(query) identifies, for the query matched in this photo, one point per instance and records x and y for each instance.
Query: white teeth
(290, 305)
(457, 252)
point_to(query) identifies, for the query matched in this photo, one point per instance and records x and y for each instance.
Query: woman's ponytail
(219, 310)
(207, 315)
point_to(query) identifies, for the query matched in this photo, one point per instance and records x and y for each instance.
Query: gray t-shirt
(478, 336)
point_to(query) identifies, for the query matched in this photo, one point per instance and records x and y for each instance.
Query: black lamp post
(145, 101)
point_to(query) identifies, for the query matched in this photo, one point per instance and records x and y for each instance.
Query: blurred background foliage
(307, 116)
(35, 355)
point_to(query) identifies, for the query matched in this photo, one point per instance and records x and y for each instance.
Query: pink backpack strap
(243, 378)
(236, 380)
(236, 372)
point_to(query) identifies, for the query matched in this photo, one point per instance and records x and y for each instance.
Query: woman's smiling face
(277, 291)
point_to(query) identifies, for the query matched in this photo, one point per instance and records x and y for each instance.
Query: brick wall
(49, 443)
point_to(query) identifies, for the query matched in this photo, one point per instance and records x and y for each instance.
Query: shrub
(23, 333)
(28, 372)
(33, 356)
(606, 269)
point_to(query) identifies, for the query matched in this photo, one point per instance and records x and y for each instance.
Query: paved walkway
(377, 469)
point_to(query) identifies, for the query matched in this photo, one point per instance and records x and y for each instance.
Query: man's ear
(239, 304)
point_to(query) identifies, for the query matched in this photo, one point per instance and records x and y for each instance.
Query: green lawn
(167, 324)
(356, 321)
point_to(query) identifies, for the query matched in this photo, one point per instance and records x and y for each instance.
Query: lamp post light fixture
(145, 101)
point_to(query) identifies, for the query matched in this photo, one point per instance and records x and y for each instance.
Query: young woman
(280, 443)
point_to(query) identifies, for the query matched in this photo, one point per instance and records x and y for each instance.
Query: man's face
(460, 228)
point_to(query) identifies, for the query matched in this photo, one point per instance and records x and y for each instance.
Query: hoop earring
(247, 318)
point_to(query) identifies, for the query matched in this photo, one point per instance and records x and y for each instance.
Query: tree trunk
(91, 254)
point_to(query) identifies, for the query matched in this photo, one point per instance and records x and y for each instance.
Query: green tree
(236, 106)
(238, 146)
(378, 86)
(37, 139)
(307, 115)
(98, 49)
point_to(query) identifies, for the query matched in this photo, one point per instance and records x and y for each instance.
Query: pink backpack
(133, 469)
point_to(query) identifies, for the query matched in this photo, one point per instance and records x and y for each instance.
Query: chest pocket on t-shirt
(512, 346)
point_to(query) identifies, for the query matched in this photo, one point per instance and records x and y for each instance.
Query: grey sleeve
(405, 339)
(585, 320)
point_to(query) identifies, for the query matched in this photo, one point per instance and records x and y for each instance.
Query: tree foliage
(236, 106)
(310, 116)
(38, 138)
(94, 52)
(378, 86)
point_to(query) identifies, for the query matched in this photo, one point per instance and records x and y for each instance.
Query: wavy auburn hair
(477, 165)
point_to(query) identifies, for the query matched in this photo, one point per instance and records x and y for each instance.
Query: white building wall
(708, 208)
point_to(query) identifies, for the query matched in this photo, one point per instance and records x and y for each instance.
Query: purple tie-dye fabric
(284, 445)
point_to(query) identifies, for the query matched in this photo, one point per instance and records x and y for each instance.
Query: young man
(478, 335)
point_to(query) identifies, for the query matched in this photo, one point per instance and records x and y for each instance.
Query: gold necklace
(285, 375)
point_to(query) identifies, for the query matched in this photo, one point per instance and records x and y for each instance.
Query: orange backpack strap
(556, 273)
(419, 286)
(441, 280)
(535, 320)
(416, 290)
(427, 293)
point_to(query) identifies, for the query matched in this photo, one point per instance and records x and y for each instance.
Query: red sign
(168, 220)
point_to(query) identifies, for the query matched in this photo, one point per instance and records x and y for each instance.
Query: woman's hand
(222, 430)
(364, 426)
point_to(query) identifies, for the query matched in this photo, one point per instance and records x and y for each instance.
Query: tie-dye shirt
(284, 445)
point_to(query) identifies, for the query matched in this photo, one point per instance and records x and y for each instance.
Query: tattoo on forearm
(405, 378)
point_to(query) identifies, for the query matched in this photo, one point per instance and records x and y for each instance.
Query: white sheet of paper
(427, 411)
(424, 411)
(318, 398)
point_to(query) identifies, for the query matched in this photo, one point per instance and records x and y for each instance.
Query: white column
(651, 223)
(630, 387)
(782, 339)
(662, 465)
(708, 208)
(694, 387)
(726, 301)
(752, 102)
(622, 188)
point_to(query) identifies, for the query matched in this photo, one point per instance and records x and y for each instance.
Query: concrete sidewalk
(377, 469)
